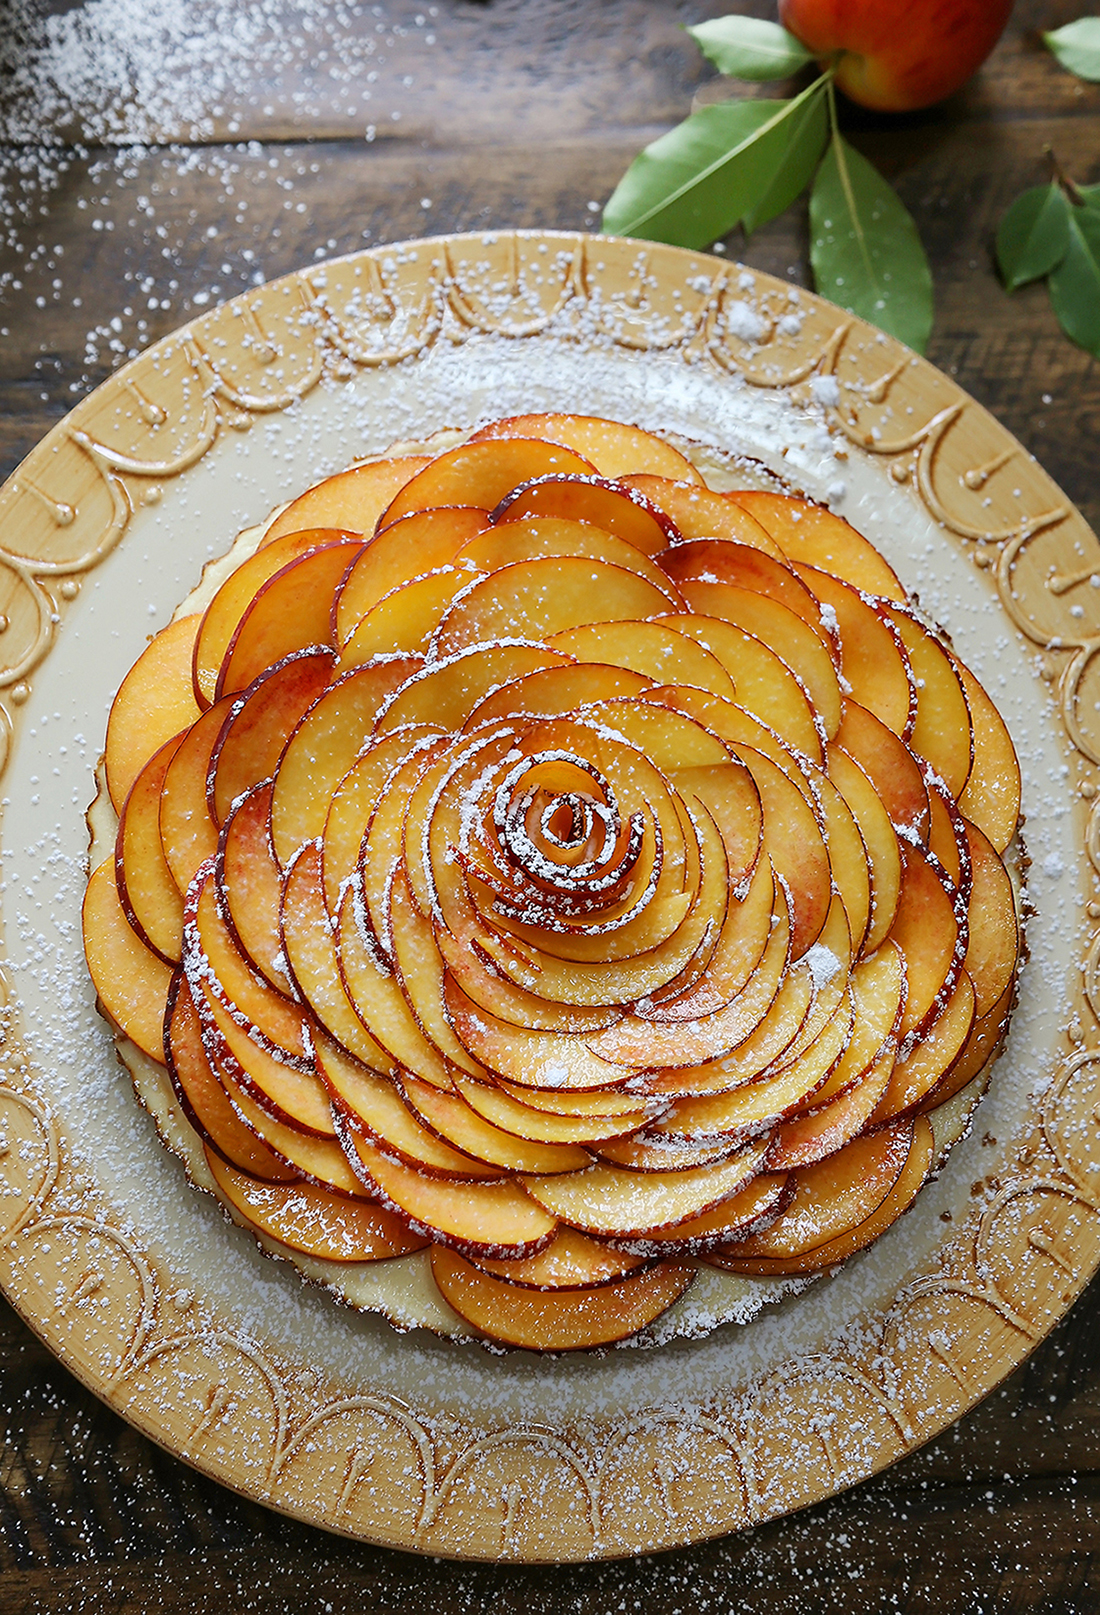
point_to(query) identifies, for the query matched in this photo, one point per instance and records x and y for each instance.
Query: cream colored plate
(176, 1318)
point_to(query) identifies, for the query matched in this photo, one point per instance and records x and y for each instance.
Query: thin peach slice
(462, 951)
(259, 725)
(536, 538)
(188, 833)
(891, 768)
(730, 795)
(667, 737)
(457, 1123)
(269, 1017)
(796, 844)
(993, 948)
(584, 1102)
(848, 856)
(909, 1181)
(528, 1058)
(416, 544)
(932, 1057)
(763, 682)
(295, 1097)
(614, 1201)
(481, 473)
(406, 619)
(314, 1221)
(381, 1005)
(382, 846)
(352, 500)
(504, 1110)
(419, 967)
(700, 513)
(222, 616)
(928, 931)
(878, 996)
(557, 1320)
(650, 648)
(320, 1160)
(831, 1197)
(496, 1219)
(374, 1106)
(809, 533)
(873, 658)
(981, 1048)
(789, 637)
(533, 599)
(712, 560)
(323, 747)
(613, 448)
(203, 1098)
(827, 1128)
(943, 733)
(555, 691)
(148, 894)
(751, 1208)
(155, 701)
(752, 1059)
(310, 949)
(644, 1153)
(731, 962)
(880, 844)
(250, 883)
(355, 799)
(449, 693)
(131, 980)
(610, 506)
(946, 836)
(291, 610)
(571, 1261)
(991, 799)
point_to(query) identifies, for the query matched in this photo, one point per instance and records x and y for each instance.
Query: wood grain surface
(522, 112)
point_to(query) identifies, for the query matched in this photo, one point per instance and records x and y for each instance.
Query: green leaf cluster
(1077, 47)
(744, 162)
(1054, 230)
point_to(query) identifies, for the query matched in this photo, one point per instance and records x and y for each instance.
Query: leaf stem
(846, 185)
(1060, 177)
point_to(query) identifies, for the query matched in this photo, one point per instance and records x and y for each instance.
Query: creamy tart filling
(546, 888)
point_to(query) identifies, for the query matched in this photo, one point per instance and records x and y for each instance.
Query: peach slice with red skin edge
(878, 997)
(762, 680)
(295, 1097)
(222, 617)
(323, 746)
(449, 1117)
(496, 1218)
(991, 798)
(269, 1017)
(932, 1057)
(750, 1060)
(352, 500)
(891, 768)
(319, 1160)
(310, 950)
(571, 1261)
(752, 1208)
(930, 927)
(259, 724)
(873, 657)
(382, 848)
(792, 640)
(946, 839)
(504, 1110)
(833, 1196)
(202, 1096)
(149, 896)
(614, 1201)
(532, 599)
(356, 797)
(911, 1178)
(880, 843)
(556, 691)
(980, 1049)
(131, 980)
(993, 945)
(291, 610)
(641, 1153)
(375, 1107)
(809, 533)
(250, 883)
(405, 620)
(713, 560)
(613, 447)
(188, 833)
(447, 693)
(155, 702)
(418, 543)
(529, 1059)
(825, 1129)
(557, 1320)
(481, 473)
(650, 648)
(610, 506)
(314, 1221)
(419, 968)
(796, 845)
(699, 512)
(541, 538)
(942, 734)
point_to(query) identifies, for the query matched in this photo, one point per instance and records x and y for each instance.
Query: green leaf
(1090, 195)
(1077, 47)
(864, 247)
(747, 48)
(1033, 235)
(1075, 283)
(696, 182)
(808, 132)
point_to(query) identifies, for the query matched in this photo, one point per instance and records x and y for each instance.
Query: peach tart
(537, 865)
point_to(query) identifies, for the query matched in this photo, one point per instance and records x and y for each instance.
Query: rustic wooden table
(155, 160)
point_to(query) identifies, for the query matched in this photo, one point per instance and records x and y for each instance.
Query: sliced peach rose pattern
(534, 855)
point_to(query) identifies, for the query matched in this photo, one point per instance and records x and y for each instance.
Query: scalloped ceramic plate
(176, 1319)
